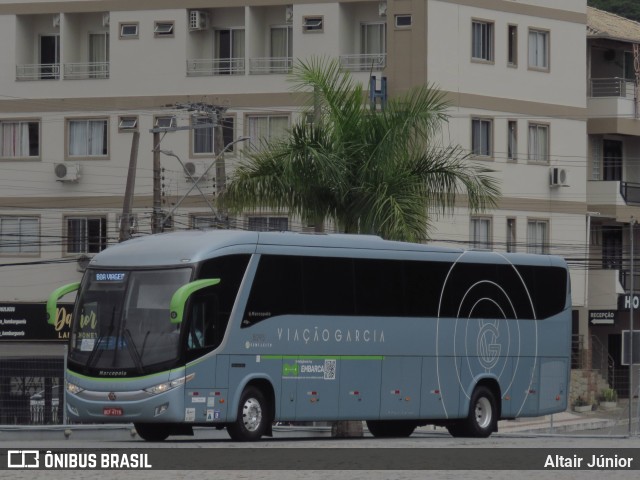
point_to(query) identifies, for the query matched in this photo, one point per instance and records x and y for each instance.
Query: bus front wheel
(253, 416)
(152, 432)
(482, 418)
(391, 428)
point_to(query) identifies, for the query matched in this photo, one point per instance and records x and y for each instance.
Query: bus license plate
(112, 411)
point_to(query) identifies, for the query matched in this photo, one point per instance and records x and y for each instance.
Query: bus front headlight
(166, 386)
(72, 388)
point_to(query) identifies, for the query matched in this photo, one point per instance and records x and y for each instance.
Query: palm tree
(381, 172)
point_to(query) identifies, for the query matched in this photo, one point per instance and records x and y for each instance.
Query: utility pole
(221, 169)
(156, 220)
(125, 220)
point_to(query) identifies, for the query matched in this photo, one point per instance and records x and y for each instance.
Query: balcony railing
(270, 65)
(364, 63)
(205, 67)
(630, 192)
(38, 71)
(625, 279)
(86, 71)
(612, 87)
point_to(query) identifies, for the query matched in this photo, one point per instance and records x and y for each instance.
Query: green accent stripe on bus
(119, 379)
(322, 357)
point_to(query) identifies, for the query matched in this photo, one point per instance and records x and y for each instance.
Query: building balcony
(86, 71)
(38, 71)
(611, 97)
(364, 62)
(206, 67)
(270, 65)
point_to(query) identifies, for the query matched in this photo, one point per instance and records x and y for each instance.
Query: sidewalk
(569, 421)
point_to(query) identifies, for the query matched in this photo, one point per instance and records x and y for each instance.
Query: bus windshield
(122, 321)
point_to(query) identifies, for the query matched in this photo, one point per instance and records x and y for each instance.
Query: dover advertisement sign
(28, 321)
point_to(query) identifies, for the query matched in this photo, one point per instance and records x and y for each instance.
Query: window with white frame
(163, 29)
(480, 235)
(539, 143)
(268, 224)
(539, 49)
(596, 158)
(266, 128)
(126, 123)
(165, 121)
(19, 139)
(86, 234)
(129, 30)
(482, 40)
(373, 39)
(230, 47)
(403, 20)
(481, 137)
(19, 235)
(538, 236)
(88, 138)
(313, 24)
(512, 140)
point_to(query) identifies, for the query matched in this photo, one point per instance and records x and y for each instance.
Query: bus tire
(391, 428)
(482, 419)
(253, 417)
(152, 432)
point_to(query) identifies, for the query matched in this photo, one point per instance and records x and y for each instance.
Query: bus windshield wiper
(133, 351)
(92, 356)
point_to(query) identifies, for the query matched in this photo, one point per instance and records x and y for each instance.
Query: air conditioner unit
(67, 172)
(288, 14)
(105, 19)
(198, 20)
(557, 177)
(196, 170)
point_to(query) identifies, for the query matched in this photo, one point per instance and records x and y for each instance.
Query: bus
(238, 330)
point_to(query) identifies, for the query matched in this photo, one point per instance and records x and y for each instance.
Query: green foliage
(625, 8)
(609, 395)
(383, 172)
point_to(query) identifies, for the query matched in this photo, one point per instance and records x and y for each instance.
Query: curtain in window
(480, 232)
(87, 137)
(372, 41)
(237, 43)
(15, 139)
(202, 137)
(258, 130)
(481, 137)
(536, 237)
(98, 54)
(538, 49)
(538, 143)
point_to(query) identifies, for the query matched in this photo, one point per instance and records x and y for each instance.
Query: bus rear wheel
(391, 428)
(152, 432)
(253, 417)
(482, 419)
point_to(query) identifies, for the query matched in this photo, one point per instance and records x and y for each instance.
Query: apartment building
(83, 83)
(613, 191)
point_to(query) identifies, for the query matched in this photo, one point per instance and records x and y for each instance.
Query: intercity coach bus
(241, 329)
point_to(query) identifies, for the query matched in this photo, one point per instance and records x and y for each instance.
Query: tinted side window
(378, 288)
(328, 286)
(276, 289)
(548, 287)
(423, 283)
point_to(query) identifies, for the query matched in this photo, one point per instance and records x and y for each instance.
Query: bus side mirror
(52, 301)
(180, 297)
